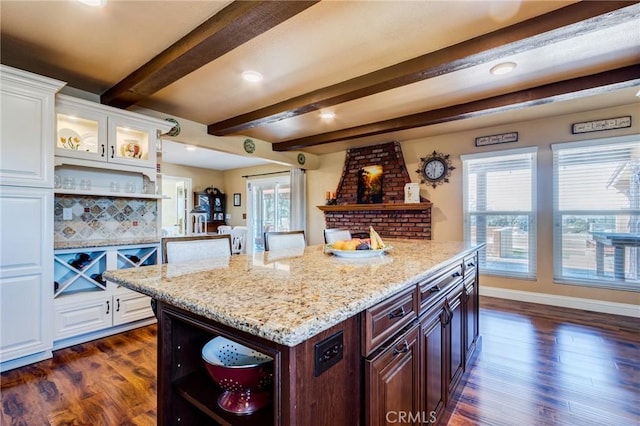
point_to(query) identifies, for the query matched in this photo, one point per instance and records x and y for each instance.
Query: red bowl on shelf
(244, 375)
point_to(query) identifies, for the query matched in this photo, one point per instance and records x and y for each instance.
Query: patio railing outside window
(597, 212)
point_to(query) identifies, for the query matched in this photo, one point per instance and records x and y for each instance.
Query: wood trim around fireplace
(375, 207)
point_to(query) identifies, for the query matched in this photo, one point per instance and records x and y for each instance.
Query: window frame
(532, 258)
(558, 276)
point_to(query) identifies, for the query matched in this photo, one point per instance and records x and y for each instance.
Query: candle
(333, 196)
(327, 195)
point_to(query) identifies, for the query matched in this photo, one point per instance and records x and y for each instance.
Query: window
(597, 212)
(499, 210)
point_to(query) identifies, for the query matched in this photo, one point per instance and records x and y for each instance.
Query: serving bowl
(244, 375)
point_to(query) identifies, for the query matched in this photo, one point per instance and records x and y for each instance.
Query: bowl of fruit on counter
(359, 247)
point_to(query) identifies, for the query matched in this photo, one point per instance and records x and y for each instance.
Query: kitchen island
(354, 341)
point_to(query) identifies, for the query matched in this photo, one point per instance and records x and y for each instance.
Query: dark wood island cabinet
(375, 342)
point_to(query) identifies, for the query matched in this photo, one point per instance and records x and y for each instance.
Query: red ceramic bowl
(245, 375)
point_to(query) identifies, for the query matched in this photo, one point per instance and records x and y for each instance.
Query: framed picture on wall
(236, 199)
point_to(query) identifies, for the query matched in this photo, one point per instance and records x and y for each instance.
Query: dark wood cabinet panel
(393, 381)
(454, 338)
(436, 286)
(432, 345)
(471, 311)
(448, 322)
(384, 320)
(471, 305)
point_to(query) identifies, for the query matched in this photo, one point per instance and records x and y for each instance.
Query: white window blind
(499, 210)
(597, 212)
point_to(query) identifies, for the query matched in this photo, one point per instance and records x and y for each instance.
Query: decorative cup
(68, 183)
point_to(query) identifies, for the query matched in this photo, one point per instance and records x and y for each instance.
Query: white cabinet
(84, 303)
(26, 216)
(80, 316)
(93, 135)
(26, 133)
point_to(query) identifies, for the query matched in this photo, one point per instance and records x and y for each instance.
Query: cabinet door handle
(107, 306)
(434, 289)
(113, 151)
(401, 349)
(118, 305)
(102, 155)
(471, 264)
(397, 313)
(456, 274)
(446, 315)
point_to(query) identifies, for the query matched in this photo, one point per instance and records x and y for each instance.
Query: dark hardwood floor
(539, 365)
(111, 381)
(544, 365)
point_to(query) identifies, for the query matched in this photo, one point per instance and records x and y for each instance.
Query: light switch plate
(67, 214)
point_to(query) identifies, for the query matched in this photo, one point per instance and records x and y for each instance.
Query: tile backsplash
(97, 218)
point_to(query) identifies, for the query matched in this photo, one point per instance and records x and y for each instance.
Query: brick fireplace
(391, 218)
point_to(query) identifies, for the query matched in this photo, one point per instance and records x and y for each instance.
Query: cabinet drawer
(131, 307)
(470, 265)
(434, 287)
(387, 318)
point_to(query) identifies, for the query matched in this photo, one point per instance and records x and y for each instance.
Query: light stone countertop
(288, 297)
(59, 245)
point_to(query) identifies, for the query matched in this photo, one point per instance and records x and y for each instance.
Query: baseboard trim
(25, 360)
(625, 309)
(76, 340)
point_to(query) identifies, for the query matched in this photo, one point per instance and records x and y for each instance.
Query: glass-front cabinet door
(90, 131)
(131, 142)
(81, 133)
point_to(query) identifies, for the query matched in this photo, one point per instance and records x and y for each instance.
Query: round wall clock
(249, 146)
(435, 169)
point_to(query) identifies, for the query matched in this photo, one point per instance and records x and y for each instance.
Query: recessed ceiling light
(327, 115)
(503, 68)
(252, 76)
(94, 3)
(190, 147)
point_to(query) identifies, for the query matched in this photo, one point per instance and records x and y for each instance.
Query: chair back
(224, 229)
(332, 235)
(238, 239)
(183, 249)
(284, 240)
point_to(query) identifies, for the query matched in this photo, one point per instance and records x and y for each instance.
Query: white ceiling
(330, 42)
(177, 153)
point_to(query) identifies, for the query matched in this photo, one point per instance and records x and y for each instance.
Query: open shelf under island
(352, 340)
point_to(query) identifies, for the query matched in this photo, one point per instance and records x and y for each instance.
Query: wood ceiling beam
(567, 22)
(234, 25)
(553, 92)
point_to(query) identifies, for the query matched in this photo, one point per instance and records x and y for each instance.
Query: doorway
(176, 208)
(268, 209)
